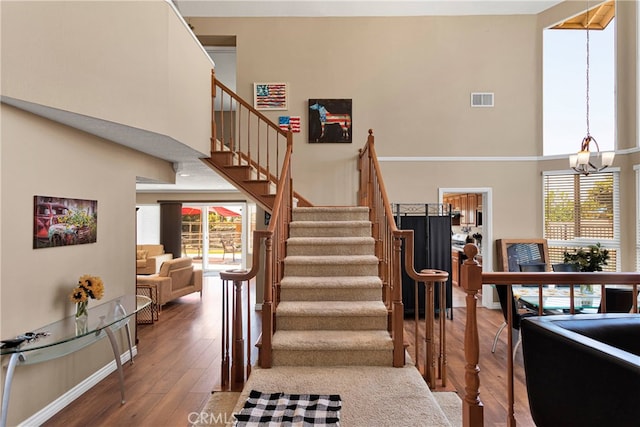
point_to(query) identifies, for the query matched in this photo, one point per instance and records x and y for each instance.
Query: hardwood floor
(493, 385)
(178, 365)
(175, 370)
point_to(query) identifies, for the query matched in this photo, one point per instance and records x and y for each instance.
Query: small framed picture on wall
(60, 221)
(270, 96)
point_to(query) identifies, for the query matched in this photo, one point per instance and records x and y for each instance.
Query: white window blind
(580, 211)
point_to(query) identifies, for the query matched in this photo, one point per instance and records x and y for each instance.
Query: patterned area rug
(266, 409)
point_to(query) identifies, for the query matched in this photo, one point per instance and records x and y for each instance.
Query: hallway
(178, 365)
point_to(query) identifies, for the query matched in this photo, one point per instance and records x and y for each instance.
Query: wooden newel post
(267, 306)
(471, 281)
(225, 336)
(398, 308)
(237, 350)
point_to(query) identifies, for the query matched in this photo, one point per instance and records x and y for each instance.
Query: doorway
(213, 235)
(473, 210)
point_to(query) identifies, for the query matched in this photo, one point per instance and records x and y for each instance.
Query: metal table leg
(116, 356)
(6, 392)
(126, 327)
(124, 312)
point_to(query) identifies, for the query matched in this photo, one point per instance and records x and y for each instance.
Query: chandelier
(581, 162)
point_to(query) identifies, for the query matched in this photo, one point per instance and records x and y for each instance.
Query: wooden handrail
(472, 278)
(277, 231)
(388, 248)
(275, 252)
(237, 128)
(274, 237)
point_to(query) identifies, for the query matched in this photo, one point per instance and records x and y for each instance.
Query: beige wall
(627, 108)
(410, 79)
(40, 157)
(128, 62)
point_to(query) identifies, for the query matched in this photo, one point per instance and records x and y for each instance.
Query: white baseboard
(61, 402)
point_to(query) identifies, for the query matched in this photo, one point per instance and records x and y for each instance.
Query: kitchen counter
(459, 248)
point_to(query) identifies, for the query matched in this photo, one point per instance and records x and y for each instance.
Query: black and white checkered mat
(280, 409)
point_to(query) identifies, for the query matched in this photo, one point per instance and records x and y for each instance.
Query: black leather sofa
(583, 370)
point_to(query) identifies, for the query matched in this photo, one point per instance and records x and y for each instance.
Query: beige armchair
(176, 278)
(149, 258)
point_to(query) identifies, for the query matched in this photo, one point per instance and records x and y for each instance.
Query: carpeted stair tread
(318, 246)
(321, 340)
(330, 229)
(335, 213)
(331, 282)
(331, 240)
(331, 209)
(332, 308)
(331, 265)
(331, 259)
(331, 288)
(329, 224)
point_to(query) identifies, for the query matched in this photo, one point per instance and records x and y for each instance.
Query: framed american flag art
(270, 96)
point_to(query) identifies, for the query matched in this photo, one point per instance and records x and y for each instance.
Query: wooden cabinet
(455, 268)
(464, 211)
(455, 202)
(466, 205)
(472, 205)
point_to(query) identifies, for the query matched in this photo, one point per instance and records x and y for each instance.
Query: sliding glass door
(214, 235)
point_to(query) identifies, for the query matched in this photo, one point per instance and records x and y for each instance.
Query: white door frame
(487, 234)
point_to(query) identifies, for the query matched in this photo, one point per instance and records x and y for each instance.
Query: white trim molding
(61, 402)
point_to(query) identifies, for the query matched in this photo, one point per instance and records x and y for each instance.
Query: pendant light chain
(582, 162)
(588, 131)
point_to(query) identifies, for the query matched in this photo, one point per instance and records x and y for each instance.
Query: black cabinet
(432, 249)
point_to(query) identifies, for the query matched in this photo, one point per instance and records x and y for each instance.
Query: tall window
(564, 89)
(580, 211)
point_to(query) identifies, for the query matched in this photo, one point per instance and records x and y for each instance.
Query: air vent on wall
(481, 99)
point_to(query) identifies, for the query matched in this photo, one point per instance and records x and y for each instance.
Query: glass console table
(70, 334)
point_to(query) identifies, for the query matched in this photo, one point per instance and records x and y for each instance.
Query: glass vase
(81, 309)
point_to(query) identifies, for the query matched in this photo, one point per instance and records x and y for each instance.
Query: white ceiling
(261, 8)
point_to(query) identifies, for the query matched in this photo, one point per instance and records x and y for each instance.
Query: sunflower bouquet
(89, 287)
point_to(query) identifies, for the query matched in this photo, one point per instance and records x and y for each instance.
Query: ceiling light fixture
(581, 162)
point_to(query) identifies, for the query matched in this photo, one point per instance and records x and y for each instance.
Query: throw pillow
(141, 254)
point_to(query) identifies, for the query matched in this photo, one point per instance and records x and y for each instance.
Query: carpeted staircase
(331, 332)
(331, 311)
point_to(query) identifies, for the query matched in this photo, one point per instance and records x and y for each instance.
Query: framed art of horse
(330, 120)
